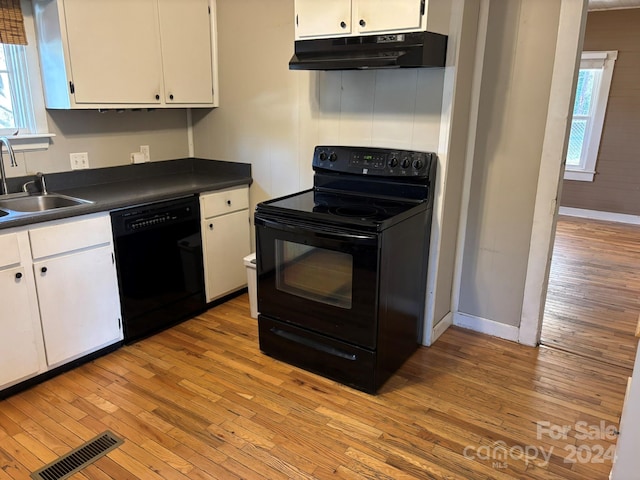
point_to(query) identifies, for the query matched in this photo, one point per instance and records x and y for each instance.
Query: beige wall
(513, 103)
(107, 137)
(616, 186)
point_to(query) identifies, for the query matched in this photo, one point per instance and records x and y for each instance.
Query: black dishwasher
(159, 260)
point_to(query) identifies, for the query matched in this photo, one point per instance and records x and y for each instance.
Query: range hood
(398, 50)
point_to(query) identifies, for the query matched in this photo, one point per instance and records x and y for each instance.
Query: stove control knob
(333, 157)
(406, 163)
(418, 164)
(393, 163)
(323, 156)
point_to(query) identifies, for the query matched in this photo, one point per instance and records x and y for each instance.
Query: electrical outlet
(79, 161)
(144, 149)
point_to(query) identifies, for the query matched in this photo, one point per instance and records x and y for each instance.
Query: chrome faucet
(3, 175)
(39, 178)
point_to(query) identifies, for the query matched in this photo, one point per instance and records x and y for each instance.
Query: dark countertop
(125, 186)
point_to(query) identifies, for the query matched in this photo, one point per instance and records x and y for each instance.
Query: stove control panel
(373, 161)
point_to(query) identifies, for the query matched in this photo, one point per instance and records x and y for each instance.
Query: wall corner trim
(484, 325)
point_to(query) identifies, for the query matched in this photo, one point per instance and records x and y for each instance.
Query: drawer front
(330, 358)
(70, 236)
(224, 201)
(9, 250)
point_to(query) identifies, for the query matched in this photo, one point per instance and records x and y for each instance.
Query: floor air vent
(79, 458)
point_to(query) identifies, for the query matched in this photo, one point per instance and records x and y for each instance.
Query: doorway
(592, 298)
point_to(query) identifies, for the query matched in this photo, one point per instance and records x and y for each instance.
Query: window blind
(11, 23)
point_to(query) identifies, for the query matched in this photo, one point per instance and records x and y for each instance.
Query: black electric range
(342, 267)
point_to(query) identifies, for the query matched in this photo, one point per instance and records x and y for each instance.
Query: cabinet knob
(18, 276)
(363, 23)
(343, 24)
(157, 97)
(43, 269)
(211, 226)
(171, 96)
(229, 202)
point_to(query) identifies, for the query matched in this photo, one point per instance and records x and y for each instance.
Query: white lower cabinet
(58, 295)
(79, 305)
(77, 287)
(225, 240)
(21, 352)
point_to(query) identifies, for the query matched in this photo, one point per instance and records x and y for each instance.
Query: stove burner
(363, 211)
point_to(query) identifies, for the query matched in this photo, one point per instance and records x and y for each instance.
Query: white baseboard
(484, 325)
(442, 325)
(598, 215)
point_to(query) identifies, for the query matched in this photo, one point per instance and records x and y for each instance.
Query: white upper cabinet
(186, 51)
(326, 18)
(114, 57)
(343, 18)
(127, 53)
(372, 16)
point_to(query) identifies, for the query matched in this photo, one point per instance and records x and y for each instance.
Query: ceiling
(610, 4)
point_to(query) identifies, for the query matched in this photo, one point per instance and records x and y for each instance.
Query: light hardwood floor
(200, 401)
(593, 302)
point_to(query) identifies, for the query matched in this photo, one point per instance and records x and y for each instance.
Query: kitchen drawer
(224, 201)
(9, 250)
(317, 353)
(70, 235)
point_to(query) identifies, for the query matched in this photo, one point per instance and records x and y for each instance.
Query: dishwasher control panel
(154, 215)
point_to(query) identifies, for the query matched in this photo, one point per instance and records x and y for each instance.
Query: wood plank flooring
(200, 401)
(593, 302)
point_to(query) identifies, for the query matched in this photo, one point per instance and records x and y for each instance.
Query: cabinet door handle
(343, 24)
(43, 269)
(362, 22)
(229, 202)
(211, 226)
(157, 97)
(171, 96)
(18, 276)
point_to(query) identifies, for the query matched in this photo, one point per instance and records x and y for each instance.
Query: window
(21, 100)
(16, 111)
(592, 94)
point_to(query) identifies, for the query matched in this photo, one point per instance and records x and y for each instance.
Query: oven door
(319, 278)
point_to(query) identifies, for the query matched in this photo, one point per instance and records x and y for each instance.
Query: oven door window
(317, 274)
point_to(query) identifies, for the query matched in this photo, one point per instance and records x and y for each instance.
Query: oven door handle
(325, 231)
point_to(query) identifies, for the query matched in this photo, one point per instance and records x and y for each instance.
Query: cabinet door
(79, 303)
(226, 243)
(185, 32)
(18, 348)
(321, 19)
(372, 16)
(114, 51)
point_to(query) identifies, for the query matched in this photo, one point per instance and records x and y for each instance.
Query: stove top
(343, 208)
(361, 188)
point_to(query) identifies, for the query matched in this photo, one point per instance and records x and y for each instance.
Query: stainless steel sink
(38, 203)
